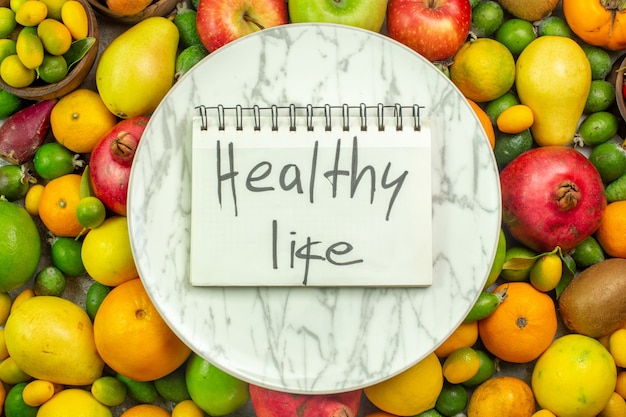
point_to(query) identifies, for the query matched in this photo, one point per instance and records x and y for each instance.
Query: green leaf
(568, 273)
(78, 49)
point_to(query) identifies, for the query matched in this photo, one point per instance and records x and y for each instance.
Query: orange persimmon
(598, 22)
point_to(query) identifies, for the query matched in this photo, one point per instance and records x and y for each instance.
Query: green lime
(173, 387)
(14, 405)
(616, 189)
(429, 413)
(609, 158)
(599, 59)
(486, 369)
(189, 57)
(90, 212)
(510, 146)
(9, 104)
(601, 96)
(53, 68)
(520, 262)
(452, 400)
(14, 181)
(474, 3)
(141, 391)
(53, 160)
(598, 128)
(65, 253)
(20, 246)
(487, 17)
(554, 26)
(94, 297)
(7, 21)
(213, 390)
(516, 34)
(109, 390)
(588, 252)
(7, 47)
(50, 281)
(497, 106)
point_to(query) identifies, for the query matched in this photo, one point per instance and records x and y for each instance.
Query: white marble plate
(315, 340)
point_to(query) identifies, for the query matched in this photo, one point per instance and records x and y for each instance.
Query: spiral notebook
(332, 196)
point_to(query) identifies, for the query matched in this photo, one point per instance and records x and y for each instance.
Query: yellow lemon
(410, 392)
(187, 408)
(461, 365)
(575, 376)
(483, 69)
(73, 402)
(37, 392)
(617, 347)
(546, 272)
(107, 254)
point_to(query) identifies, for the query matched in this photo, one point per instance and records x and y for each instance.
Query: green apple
(364, 14)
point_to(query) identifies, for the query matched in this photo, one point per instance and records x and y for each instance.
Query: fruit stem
(614, 4)
(252, 20)
(567, 195)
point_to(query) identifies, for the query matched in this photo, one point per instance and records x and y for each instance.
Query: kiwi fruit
(594, 303)
(531, 10)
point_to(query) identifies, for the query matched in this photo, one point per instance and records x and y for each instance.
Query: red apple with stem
(436, 29)
(222, 21)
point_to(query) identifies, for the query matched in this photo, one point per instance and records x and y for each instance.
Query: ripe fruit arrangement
(530, 324)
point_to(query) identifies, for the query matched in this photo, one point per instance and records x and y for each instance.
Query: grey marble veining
(306, 339)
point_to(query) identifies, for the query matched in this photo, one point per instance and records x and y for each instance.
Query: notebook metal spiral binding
(310, 113)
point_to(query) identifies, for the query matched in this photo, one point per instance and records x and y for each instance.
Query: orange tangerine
(611, 234)
(620, 385)
(485, 121)
(127, 7)
(57, 205)
(502, 396)
(132, 338)
(145, 410)
(80, 119)
(463, 336)
(522, 327)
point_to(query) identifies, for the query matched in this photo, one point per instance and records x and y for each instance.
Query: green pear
(136, 70)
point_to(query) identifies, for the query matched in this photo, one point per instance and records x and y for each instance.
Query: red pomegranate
(551, 196)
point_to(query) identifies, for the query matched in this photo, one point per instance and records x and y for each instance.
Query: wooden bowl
(156, 8)
(618, 73)
(73, 79)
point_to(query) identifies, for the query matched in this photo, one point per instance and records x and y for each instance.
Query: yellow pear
(136, 70)
(553, 78)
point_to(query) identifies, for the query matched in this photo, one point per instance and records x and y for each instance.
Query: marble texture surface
(316, 340)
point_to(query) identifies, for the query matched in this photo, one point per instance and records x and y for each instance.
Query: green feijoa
(9, 104)
(598, 128)
(601, 96)
(497, 106)
(554, 26)
(609, 158)
(185, 21)
(94, 297)
(487, 17)
(599, 59)
(141, 391)
(189, 57)
(510, 146)
(587, 253)
(486, 303)
(50, 281)
(616, 189)
(14, 181)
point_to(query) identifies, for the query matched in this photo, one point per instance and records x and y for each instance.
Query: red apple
(222, 21)
(111, 160)
(436, 29)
